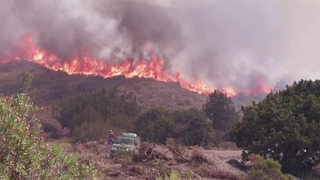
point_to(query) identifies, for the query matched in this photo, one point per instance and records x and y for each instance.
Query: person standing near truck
(111, 138)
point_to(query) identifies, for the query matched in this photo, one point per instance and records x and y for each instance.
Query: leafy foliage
(267, 169)
(24, 155)
(284, 126)
(155, 125)
(189, 127)
(109, 108)
(219, 108)
(192, 127)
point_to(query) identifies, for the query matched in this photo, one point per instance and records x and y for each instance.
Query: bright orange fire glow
(230, 91)
(87, 65)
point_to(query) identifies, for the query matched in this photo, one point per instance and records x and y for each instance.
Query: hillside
(50, 87)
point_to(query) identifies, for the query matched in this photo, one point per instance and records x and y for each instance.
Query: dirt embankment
(155, 161)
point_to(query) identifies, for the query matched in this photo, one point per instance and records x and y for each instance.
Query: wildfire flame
(87, 65)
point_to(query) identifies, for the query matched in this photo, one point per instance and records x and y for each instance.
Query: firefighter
(111, 138)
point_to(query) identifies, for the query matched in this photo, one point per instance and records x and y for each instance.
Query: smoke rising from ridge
(224, 43)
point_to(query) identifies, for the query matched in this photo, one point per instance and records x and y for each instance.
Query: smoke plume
(223, 43)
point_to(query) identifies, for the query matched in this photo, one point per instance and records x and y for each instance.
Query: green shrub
(267, 169)
(174, 175)
(24, 155)
(158, 163)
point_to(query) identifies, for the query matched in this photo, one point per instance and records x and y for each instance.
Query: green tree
(284, 126)
(220, 109)
(192, 127)
(24, 155)
(155, 125)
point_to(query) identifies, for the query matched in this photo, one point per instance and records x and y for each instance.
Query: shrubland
(24, 154)
(90, 116)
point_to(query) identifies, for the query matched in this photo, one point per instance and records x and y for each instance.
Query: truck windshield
(124, 140)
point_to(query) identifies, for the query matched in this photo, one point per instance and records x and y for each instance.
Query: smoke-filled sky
(221, 42)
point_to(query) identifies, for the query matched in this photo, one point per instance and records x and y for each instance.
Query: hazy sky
(222, 42)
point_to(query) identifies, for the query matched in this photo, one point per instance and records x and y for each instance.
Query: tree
(284, 126)
(155, 125)
(192, 127)
(219, 108)
(24, 155)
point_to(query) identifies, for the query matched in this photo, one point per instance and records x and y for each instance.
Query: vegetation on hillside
(24, 155)
(220, 109)
(284, 126)
(90, 116)
(26, 82)
(192, 127)
(188, 127)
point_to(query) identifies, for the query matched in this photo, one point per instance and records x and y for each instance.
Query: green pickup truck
(129, 142)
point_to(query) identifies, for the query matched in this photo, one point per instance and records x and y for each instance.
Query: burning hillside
(247, 49)
(87, 65)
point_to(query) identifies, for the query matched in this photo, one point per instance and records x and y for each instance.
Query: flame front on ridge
(87, 65)
(147, 68)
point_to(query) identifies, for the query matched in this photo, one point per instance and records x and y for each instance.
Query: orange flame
(87, 65)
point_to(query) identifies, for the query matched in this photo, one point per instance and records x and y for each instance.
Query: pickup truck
(129, 142)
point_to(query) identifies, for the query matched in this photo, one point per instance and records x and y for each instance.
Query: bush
(267, 169)
(24, 155)
(174, 175)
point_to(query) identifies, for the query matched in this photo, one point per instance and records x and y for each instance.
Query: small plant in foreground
(174, 175)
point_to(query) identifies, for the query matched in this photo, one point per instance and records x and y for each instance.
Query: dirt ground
(156, 161)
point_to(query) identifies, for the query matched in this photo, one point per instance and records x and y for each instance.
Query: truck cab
(128, 142)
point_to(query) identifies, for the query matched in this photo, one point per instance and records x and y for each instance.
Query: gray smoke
(223, 43)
